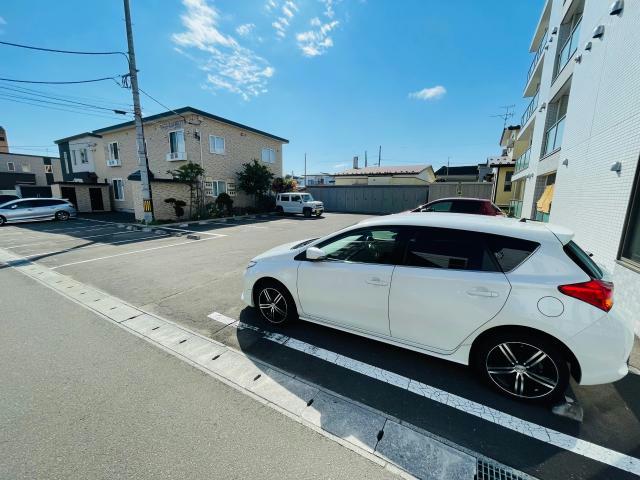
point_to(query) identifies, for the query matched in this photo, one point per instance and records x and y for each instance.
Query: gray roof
(396, 170)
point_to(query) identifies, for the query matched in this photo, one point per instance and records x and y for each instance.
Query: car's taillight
(595, 292)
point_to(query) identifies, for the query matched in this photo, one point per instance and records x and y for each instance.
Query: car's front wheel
(275, 303)
(307, 212)
(2, 220)
(62, 215)
(524, 366)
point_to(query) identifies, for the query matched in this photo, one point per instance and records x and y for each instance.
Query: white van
(298, 203)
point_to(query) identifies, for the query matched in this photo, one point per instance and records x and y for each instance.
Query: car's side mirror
(314, 253)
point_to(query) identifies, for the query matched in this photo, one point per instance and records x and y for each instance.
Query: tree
(190, 174)
(254, 179)
(286, 184)
(224, 202)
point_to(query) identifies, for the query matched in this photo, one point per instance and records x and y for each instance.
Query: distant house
(397, 175)
(28, 175)
(466, 173)
(503, 168)
(319, 179)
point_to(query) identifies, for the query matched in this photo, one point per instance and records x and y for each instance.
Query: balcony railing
(553, 137)
(537, 55)
(569, 48)
(176, 156)
(522, 162)
(531, 108)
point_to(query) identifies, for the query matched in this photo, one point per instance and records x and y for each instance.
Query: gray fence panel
(461, 189)
(373, 199)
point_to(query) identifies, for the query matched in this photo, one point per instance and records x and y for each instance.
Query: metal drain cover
(487, 470)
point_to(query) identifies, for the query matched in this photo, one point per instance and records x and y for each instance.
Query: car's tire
(2, 220)
(523, 366)
(280, 211)
(274, 302)
(307, 212)
(62, 216)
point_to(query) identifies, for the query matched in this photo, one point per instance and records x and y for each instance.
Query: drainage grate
(494, 471)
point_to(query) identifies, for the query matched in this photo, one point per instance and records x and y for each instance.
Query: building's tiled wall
(162, 191)
(241, 146)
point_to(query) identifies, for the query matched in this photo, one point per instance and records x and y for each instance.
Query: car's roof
(510, 227)
(466, 199)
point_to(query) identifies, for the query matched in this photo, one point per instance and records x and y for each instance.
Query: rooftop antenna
(506, 115)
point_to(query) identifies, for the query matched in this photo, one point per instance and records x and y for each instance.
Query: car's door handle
(377, 281)
(481, 292)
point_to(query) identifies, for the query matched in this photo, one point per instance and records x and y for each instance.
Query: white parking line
(184, 230)
(80, 248)
(134, 252)
(70, 239)
(524, 427)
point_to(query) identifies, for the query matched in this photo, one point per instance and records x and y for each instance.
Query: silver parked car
(27, 209)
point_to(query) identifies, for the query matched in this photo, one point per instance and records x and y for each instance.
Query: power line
(67, 102)
(61, 83)
(170, 109)
(61, 96)
(72, 52)
(82, 112)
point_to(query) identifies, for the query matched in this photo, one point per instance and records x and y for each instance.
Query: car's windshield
(306, 197)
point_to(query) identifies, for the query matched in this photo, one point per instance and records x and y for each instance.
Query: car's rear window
(583, 260)
(510, 252)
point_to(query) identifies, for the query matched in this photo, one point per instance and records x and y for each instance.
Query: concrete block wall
(162, 191)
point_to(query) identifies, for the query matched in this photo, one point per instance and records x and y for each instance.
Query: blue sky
(421, 78)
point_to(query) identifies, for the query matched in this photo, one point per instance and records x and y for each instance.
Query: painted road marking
(524, 427)
(184, 230)
(134, 252)
(70, 239)
(331, 415)
(80, 248)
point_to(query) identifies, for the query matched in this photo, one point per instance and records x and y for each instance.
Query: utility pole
(448, 158)
(365, 159)
(142, 154)
(379, 154)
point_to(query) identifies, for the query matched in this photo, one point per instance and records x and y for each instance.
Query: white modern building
(578, 149)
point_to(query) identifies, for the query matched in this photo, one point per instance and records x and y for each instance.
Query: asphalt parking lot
(197, 283)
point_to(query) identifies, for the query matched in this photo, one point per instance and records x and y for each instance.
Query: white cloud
(316, 41)
(285, 15)
(245, 29)
(328, 8)
(229, 65)
(430, 93)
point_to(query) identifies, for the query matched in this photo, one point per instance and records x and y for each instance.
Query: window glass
(284, 198)
(216, 144)
(465, 206)
(374, 245)
(631, 239)
(510, 252)
(295, 198)
(11, 166)
(268, 155)
(114, 154)
(48, 169)
(118, 189)
(439, 207)
(449, 249)
(176, 141)
(583, 260)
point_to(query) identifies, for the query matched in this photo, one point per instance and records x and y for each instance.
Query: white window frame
(271, 156)
(111, 151)
(212, 145)
(212, 187)
(48, 169)
(231, 188)
(184, 142)
(11, 167)
(116, 191)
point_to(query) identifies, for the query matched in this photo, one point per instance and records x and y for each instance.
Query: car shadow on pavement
(611, 411)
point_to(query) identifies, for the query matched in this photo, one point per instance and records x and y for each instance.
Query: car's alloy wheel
(62, 216)
(522, 370)
(273, 305)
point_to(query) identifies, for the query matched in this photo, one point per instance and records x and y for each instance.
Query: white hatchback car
(518, 301)
(298, 203)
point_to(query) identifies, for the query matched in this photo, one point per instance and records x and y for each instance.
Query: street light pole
(137, 111)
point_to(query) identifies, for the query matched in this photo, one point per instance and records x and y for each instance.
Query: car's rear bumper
(603, 349)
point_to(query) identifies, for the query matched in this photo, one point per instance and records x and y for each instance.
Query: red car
(477, 206)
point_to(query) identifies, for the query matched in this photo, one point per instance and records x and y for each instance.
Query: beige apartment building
(173, 138)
